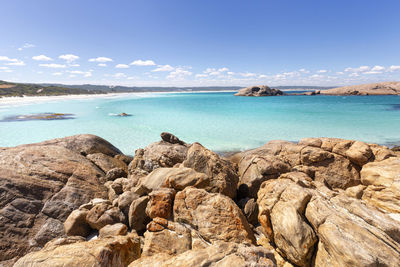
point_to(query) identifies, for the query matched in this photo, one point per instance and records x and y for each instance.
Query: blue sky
(198, 43)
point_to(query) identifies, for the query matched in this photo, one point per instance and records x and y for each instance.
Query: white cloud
(164, 68)
(26, 45)
(53, 65)
(3, 68)
(16, 63)
(201, 75)
(102, 65)
(122, 66)
(378, 68)
(42, 58)
(74, 65)
(140, 62)
(4, 58)
(56, 73)
(340, 73)
(248, 74)
(223, 69)
(119, 75)
(394, 68)
(372, 72)
(230, 73)
(262, 76)
(316, 76)
(304, 71)
(179, 74)
(6, 71)
(84, 73)
(359, 69)
(322, 71)
(100, 59)
(69, 57)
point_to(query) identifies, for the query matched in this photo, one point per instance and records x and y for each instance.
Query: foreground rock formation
(261, 90)
(318, 202)
(383, 88)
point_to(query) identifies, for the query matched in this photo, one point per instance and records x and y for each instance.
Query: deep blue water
(220, 121)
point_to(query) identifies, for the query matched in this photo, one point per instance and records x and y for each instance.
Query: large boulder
(214, 216)
(261, 90)
(45, 182)
(383, 185)
(160, 154)
(328, 164)
(221, 172)
(221, 254)
(307, 222)
(111, 251)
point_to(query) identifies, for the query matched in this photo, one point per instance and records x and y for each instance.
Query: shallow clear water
(220, 121)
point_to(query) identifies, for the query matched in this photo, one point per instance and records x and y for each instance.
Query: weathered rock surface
(176, 178)
(76, 223)
(173, 239)
(111, 251)
(113, 230)
(321, 202)
(137, 216)
(335, 162)
(383, 88)
(41, 184)
(297, 213)
(103, 214)
(261, 90)
(214, 216)
(383, 185)
(156, 155)
(220, 254)
(222, 174)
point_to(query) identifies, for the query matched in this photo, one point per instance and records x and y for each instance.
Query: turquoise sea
(220, 121)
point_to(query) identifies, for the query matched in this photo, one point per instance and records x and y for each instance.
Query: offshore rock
(261, 90)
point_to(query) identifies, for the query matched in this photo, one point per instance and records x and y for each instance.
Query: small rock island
(261, 90)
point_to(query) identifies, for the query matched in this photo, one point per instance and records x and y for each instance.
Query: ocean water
(219, 121)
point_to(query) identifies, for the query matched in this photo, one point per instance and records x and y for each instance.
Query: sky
(200, 43)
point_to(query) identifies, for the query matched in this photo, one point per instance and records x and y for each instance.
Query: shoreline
(36, 99)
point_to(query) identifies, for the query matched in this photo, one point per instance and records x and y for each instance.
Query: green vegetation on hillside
(21, 89)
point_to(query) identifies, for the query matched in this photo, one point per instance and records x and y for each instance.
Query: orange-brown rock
(110, 251)
(213, 215)
(41, 184)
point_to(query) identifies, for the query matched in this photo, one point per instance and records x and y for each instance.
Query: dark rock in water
(39, 116)
(261, 90)
(123, 114)
(396, 148)
(172, 139)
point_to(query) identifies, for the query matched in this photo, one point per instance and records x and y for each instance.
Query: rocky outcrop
(41, 184)
(220, 254)
(111, 251)
(334, 162)
(383, 88)
(319, 202)
(261, 90)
